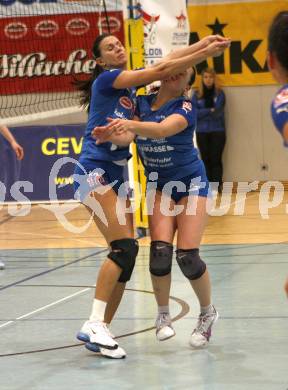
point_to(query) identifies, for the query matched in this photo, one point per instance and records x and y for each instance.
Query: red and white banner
(166, 26)
(41, 53)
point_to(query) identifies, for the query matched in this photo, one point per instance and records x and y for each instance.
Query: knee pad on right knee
(190, 263)
(124, 253)
(161, 254)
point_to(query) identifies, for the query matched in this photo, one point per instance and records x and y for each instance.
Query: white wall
(252, 140)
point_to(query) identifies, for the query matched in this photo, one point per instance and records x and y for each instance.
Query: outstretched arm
(107, 134)
(14, 145)
(169, 66)
(173, 124)
(202, 44)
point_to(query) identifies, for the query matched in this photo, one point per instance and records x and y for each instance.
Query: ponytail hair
(84, 86)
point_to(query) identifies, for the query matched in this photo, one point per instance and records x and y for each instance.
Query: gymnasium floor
(46, 292)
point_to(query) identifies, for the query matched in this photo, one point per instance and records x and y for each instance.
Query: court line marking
(49, 237)
(9, 216)
(55, 268)
(185, 308)
(6, 219)
(51, 270)
(45, 307)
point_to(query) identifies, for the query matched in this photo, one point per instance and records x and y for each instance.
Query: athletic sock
(163, 309)
(207, 309)
(98, 310)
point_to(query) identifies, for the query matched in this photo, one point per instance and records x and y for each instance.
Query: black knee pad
(123, 253)
(190, 263)
(161, 254)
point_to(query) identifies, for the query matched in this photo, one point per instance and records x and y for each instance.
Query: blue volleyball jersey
(172, 157)
(107, 101)
(279, 109)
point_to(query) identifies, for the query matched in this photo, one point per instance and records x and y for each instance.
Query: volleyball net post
(134, 42)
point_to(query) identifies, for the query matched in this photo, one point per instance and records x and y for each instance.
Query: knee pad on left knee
(190, 263)
(161, 254)
(124, 253)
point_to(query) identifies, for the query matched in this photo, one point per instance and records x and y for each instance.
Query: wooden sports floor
(47, 288)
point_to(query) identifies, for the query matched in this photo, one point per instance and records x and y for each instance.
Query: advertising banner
(43, 147)
(247, 24)
(42, 44)
(166, 26)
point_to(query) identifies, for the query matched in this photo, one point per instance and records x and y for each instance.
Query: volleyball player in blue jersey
(278, 65)
(99, 174)
(165, 144)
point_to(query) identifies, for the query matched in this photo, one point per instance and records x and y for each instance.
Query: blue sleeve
(194, 100)
(201, 112)
(281, 117)
(185, 109)
(219, 104)
(106, 79)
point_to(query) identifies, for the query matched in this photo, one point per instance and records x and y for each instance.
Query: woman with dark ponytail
(85, 85)
(278, 65)
(99, 182)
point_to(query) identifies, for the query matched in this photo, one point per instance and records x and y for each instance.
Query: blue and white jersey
(279, 109)
(107, 101)
(171, 157)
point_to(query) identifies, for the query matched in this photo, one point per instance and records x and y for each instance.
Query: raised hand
(104, 133)
(206, 41)
(217, 47)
